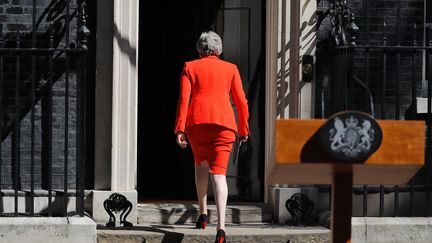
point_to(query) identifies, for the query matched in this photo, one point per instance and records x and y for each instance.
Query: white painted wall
(278, 73)
(308, 21)
(125, 95)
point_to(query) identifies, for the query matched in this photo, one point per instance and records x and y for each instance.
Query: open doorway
(168, 32)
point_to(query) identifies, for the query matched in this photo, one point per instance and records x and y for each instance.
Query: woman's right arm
(183, 101)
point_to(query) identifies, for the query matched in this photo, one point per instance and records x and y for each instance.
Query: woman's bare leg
(201, 183)
(220, 188)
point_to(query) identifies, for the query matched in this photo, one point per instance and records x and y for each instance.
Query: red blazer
(205, 87)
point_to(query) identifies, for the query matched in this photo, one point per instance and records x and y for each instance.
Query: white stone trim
(48, 230)
(125, 95)
(393, 229)
(307, 47)
(274, 45)
(271, 72)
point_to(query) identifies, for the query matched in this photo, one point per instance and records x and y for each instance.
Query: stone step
(245, 233)
(181, 213)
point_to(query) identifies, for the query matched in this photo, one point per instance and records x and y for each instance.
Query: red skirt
(213, 143)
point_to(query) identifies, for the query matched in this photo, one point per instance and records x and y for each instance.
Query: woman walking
(206, 120)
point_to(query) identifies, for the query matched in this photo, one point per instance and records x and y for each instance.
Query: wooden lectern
(300, 158)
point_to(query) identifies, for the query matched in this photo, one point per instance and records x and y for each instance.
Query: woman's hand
(244, 138)
(181, 140)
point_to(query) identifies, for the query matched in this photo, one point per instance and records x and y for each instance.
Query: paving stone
(245, 233)
(180, 213)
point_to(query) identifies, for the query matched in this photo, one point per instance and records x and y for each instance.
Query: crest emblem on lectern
(351, 135)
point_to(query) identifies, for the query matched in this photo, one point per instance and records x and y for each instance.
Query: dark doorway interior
(166, 40)
(168, 33)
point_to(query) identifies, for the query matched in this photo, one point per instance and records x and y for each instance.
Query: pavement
(174, 222)
(186, 233)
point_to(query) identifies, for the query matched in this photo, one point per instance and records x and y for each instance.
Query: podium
(302, 157)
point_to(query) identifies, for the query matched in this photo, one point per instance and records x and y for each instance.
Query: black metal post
(81, 150)
(412, 197)
(381, 201)
(383, 92)
(83, 33)
(397, 108)
(340, 82)
(66, 129)
(367, 67)
(49, 132)
(33, 104)
(414, 108)
(398, 61)
(17, 135)
(365, 200)
(79, 122)
(1, 107)
(349, 71)
(413, 70)
(334, 92)
(346, 78)
(396, 201)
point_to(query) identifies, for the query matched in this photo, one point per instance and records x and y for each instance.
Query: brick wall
(16, 15)
(412, 11)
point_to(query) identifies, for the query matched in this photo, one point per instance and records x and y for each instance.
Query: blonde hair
(209, 43)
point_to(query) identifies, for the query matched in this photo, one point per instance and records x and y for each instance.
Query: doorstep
(186, 233)
(187, 212)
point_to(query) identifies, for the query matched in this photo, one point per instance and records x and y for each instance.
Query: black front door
(166, 42)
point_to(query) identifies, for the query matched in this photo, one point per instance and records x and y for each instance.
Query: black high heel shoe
(220, 236)
(202, 221)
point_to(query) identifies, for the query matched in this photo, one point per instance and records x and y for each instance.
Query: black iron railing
(42, 110)
(383, 78)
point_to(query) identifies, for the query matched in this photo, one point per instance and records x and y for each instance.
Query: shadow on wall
(308, 40)
(125, 46)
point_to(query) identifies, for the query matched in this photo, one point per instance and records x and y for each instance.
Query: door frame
(107, 37)
(303, 97)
